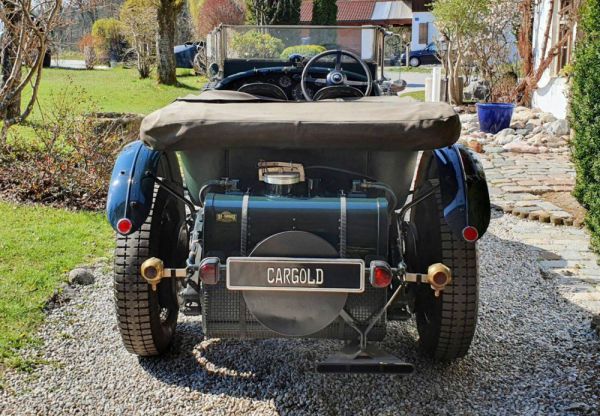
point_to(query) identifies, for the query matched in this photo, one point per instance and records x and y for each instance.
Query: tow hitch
(364, 357)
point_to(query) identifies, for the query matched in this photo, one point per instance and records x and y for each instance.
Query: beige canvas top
(231, 119)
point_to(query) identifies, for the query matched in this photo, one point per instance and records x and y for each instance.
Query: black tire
(414, 62)
(147, 319)
(446, 324)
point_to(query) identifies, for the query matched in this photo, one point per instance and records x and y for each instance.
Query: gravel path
(534, 353)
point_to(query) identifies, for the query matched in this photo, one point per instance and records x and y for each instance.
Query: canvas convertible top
(230, 119)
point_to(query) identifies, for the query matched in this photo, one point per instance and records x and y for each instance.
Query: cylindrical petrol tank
(357, 226)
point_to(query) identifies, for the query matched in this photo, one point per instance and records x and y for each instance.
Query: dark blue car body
(184, 55)
(427, 56)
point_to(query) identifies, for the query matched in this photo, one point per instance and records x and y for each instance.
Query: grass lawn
(38, 246)
(417, 95)
(114, 90)
(419, 69)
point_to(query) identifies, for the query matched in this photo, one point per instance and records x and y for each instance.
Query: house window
(564, 31)
(424, 33)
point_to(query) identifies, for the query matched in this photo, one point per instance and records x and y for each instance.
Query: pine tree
(324, 12)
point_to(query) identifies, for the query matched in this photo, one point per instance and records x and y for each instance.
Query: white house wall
(551, 94)
(422, 17)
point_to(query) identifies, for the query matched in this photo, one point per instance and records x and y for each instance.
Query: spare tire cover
(294, 313)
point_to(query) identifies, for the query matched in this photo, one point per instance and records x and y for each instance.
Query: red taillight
(210, 270)
(381, 274)
(470, 233)
(124, 226)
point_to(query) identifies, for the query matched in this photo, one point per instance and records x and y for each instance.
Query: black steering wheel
(336, 77)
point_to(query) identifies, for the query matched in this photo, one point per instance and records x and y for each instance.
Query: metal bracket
(361, 356)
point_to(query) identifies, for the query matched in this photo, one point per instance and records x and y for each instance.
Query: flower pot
(494, 117)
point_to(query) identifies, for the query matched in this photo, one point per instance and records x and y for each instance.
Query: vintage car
(291, 198)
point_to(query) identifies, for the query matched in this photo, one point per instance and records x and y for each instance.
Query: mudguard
(132, 186)
(464, 190)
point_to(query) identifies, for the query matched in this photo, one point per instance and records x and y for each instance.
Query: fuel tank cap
(284, 178)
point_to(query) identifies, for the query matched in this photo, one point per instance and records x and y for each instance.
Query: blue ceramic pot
(494, 117)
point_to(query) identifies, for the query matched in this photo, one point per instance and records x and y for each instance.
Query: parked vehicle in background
(185, 54)
(427, 56)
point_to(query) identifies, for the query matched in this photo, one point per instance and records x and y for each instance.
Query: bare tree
(27, 26)
(533, 73)
(139, 20)
(215, 12)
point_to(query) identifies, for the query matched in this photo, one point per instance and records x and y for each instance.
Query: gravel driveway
(534, 353)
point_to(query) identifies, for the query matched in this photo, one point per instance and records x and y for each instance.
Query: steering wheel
(336, 77)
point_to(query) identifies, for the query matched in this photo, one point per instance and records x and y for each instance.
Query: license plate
(306, 275)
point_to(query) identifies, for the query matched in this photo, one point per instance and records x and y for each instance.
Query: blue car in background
(427, 56)
(185, 54)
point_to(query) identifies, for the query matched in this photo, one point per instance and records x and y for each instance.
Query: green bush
(324, 12)
(109, 36)
(304, 50)
(255, 44)
(585, 117)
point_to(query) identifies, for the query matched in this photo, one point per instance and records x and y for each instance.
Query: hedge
(307, 51)
(585, 117)
(255, 44)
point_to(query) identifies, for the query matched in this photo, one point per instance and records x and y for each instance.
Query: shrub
(216, 12)
(304, 50)
(324, 12)
(254, 43)
(109, 38)
(138, 18)
(70, 163)
(269, 12)
(86, 46)
(585, 117)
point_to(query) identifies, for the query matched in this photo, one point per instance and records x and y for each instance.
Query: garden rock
(547, 118)
(558, 127)
(531, 131)
(477, 90)
(519, 146)
(81, 276)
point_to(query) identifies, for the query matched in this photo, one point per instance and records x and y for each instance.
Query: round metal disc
(294, 313)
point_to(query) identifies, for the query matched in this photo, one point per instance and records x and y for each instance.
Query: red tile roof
(348, 11)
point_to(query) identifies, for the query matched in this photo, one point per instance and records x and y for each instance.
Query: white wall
(422, 17)
(551, 94)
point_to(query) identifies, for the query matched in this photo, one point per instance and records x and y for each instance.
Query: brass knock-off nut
(438, 276)
(152, 271)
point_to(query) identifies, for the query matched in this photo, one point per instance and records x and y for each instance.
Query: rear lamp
(470, 233)
(210, 270)
(381, 274)
(124, 226)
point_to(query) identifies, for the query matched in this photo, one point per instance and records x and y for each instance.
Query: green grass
(115, 90)
(417, 95)
(419, 69)
(38, 246)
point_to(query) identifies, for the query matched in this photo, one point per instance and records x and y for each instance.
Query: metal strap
(244, 225)
(343, 221)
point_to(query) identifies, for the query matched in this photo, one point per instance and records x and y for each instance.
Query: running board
(351, 359)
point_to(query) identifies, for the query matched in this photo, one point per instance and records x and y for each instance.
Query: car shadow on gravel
(534, 352)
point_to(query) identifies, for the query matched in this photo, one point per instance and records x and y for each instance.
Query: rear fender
(464, 190)
(132, 185)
